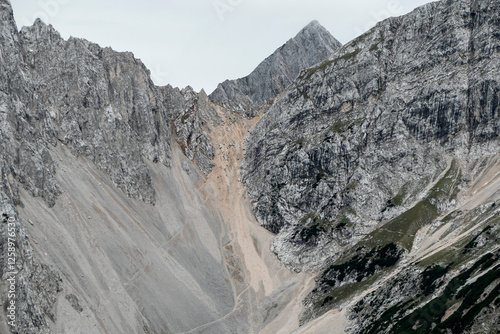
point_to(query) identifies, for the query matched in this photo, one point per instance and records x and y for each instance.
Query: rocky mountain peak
(271, 77)
(378, 148)
(315, 31)
(312, 27)
(41, 31)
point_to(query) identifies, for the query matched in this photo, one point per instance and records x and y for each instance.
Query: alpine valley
(336, 189)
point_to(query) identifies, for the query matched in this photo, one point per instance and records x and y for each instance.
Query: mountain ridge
(120, 222)
(395, 129)
(273, 75)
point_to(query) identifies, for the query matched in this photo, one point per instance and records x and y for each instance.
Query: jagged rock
(100, 103)
(23, 156)
(196, 115)
(105, 108)
(311, 45)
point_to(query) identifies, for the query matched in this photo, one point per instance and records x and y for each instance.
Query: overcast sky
(203, 42)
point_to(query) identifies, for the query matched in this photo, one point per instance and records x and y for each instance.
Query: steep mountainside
(363, 134)
(124, 216)
(381, 147)
(311, 45)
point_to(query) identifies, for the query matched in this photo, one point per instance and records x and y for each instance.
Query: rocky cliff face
(99, 105)
(93, 100)
(311, 45)
(359, 138)
(191, 117)
(373, 146)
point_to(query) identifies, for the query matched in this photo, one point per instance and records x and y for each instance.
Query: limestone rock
(311, 45)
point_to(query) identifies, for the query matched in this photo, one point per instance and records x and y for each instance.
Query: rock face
(359, 138)
(36, 284)
(99, 105)
(97, 102)
(454, 290)
(94, 100)
(311, 45)
(394, 139)
(191, 117)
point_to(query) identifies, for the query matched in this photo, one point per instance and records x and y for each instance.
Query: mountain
(120, 201)
(271, 77)
(380, 160)
(336, 189)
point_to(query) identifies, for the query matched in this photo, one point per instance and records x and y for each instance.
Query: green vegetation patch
(322, 174)
(343, 280)
(347, 56)
(304, 95)
(447, 186)
(403, 228)
(473, 243)
(445, 256)
(339, 294)
(428, 318)
(301, 141)
(397, 200)
(385, 319)
(375, 46)
(430, 276)
(321, 67)
(344, 222)
(339, 127)
(352, 186)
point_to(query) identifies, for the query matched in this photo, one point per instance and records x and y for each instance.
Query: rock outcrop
(32, 285)
(192, 117)
(311, 45)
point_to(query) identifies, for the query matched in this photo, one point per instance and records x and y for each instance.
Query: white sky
(203, 42)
